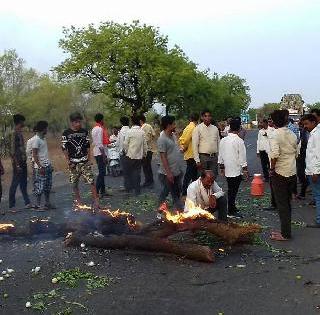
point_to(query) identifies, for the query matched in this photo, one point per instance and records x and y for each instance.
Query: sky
(273, 44)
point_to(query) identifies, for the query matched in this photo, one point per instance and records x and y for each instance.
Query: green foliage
(133, 64)
(267, 109)
(252, 113)
(314, 105)
(72, 278)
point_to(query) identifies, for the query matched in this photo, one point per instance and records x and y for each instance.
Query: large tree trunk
(191, 251)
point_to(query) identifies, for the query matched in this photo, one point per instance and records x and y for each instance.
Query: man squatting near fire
(76, 148)
(206, 194)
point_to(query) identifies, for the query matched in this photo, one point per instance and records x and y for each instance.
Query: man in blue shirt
(294, 128)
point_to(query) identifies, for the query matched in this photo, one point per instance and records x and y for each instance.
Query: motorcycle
(114, 160)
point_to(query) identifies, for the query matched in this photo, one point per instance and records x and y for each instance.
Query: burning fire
(6, 227)
(79, 207)
(118, 213)
(114, 214)
(194, 212)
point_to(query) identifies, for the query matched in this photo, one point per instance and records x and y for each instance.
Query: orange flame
(114, 214)
(194, 212)
(118, 213)
(6, 227)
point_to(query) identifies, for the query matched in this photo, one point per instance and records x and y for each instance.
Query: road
(264, 278)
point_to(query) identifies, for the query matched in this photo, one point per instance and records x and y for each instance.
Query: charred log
(138, 242)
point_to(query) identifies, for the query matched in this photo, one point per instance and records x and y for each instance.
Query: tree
(314, 105)
(129, 63)
(266, 110)
(253, 112)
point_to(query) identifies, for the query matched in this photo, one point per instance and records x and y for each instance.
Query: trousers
(283, 187)
(19, 178)
(265, 164)
(147, 168)
(173, 188)
(316, 196)
(132, 173)
(100, 184)
(190, 175)
(221, 208)
(233, 187)
(209, 163)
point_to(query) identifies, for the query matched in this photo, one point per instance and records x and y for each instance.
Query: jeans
(283, 187)
(233, 187)
(19, 178)
(221, 207)
(316, 195)
(190, 176)
(265, 164)
(147, 169)
(209, 162)
(173, 188)
(100, 185)
(133, 174)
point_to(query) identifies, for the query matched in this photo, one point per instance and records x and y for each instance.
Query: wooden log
(230, 232)
(138, 242)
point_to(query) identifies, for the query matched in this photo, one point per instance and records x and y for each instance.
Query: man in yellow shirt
(185, 142)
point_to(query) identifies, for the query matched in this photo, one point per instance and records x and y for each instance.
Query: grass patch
(257, 240)
(55, 299)
(73, 277)
(142, 203)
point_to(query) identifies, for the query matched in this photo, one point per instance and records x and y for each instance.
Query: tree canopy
(133, 64)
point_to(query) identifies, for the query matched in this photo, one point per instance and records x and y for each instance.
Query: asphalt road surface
(262, 278)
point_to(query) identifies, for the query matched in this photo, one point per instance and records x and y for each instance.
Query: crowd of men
(286, 152)
(289, 152)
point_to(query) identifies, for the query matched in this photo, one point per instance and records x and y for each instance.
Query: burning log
(199, 219)
(138, 242)
(118, 229)
(230, 232)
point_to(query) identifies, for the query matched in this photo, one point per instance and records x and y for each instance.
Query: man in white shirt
(100, 142)
(42, 169)
(206, 194)
(135, 148)
(121, 136)
(263, 149)
(29, 145)
(233, 164)
(205, 144)
(313, 161)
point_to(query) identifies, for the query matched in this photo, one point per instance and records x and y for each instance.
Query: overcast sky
(273, 44)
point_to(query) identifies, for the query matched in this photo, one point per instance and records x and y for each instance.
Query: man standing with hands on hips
(205, 144)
